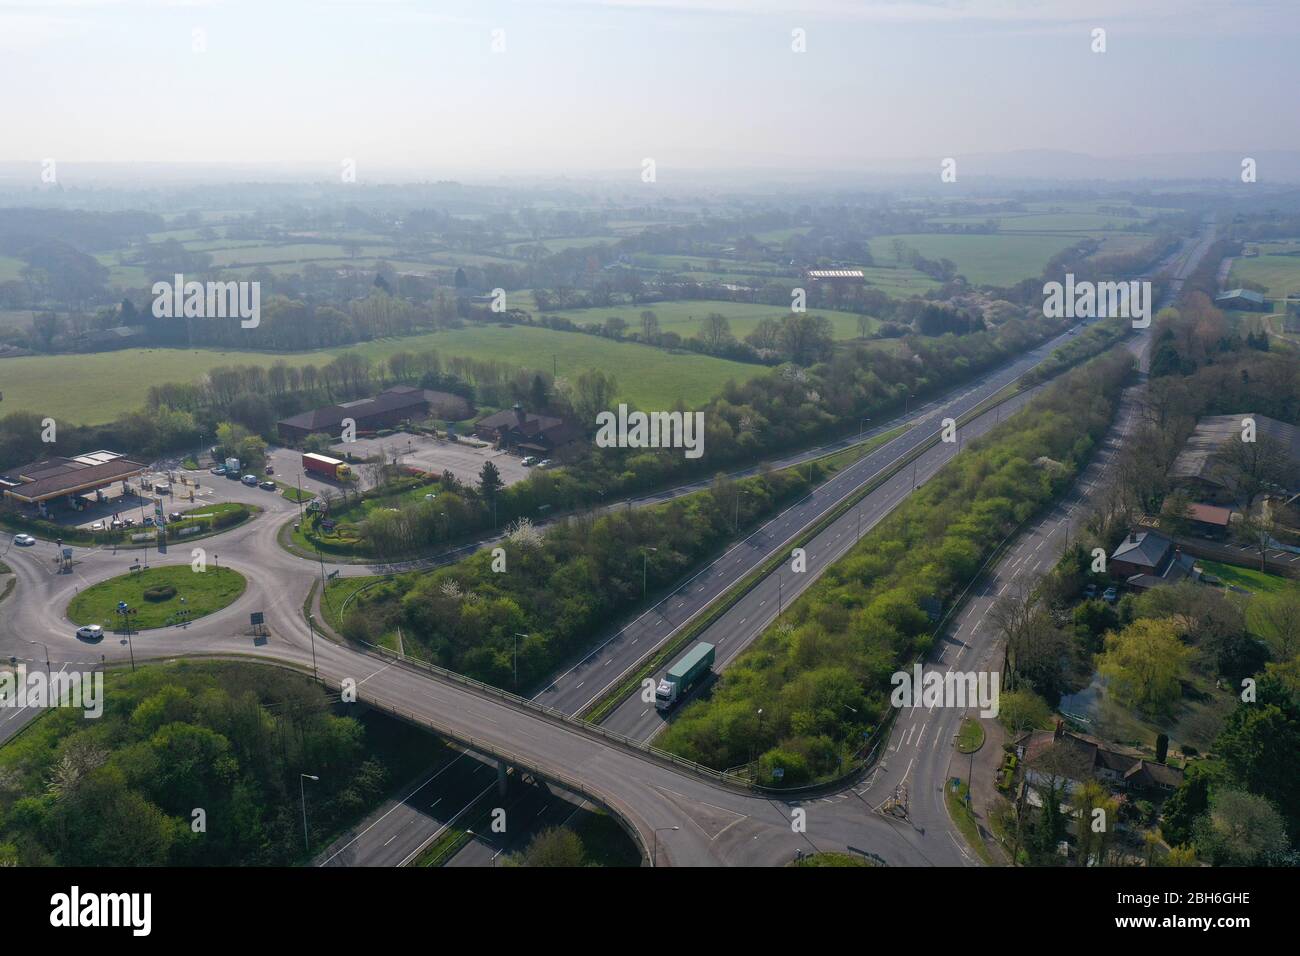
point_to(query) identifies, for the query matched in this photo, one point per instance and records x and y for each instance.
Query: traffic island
(157, 597)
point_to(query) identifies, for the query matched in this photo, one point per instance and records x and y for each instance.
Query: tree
(649, 326)
(489, 481)
(1022, 710)
(715, 331)
(1256, 531)
(1279, 621)
(1240, 829)
(1144, 663)
(593, 393)
(1258, 744)
(1249, 467)
(553, 847)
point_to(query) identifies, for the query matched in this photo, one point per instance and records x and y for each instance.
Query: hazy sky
(600, 84)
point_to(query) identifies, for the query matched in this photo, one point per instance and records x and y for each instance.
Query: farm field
(650, 377)
(1279, 273)
(994, 259)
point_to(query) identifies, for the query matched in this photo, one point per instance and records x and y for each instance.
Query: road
(714, 823)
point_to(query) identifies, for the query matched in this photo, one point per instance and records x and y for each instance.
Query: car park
(90, 632)
(268, 486)
(24, 540)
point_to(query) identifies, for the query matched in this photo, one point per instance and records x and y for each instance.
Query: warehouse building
(395, 405)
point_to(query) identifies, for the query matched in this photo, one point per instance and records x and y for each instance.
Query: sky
(587, 85)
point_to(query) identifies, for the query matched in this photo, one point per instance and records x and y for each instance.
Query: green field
(994, 259)
(1279, 274)
(650, 377)
(198, 593)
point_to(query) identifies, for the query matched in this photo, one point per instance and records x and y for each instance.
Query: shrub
(159, 592)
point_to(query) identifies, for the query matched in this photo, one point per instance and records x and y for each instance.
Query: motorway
(715, 824)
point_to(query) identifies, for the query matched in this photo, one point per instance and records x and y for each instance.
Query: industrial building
(390, 407)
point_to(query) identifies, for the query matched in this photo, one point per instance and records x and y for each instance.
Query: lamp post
(302, 777)
(654, 857)
(311, 626)
(126, 612)
(861, 451)
(47, 656)
(645, 561)
(517, 636)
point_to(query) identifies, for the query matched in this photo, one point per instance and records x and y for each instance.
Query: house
(1146, 559)
(527, 433)
(1242, 299)
(837, 277)
(1070, 759)
(390, 407)
(1209, 521)
(1197, 468)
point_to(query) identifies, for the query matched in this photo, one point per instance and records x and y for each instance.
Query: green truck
(683, 675)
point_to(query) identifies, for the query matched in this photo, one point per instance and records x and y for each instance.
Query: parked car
(268, 486)
(1090, 591)
(97, 526)
(91, 632)
(128, 522)
(148, 521)
(1110, 595)
(270, 470)
(219, 470)
(529, 462)
(250, 480)
(24, 540)
(175, 516)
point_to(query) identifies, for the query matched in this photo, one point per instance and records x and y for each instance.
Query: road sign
(256, 618)
(67, 553)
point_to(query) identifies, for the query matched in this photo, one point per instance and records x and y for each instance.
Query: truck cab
(665, 694)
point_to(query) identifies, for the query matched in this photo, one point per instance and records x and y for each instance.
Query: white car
(97, 526)
(91, 632)
(24, 540)
(529, 462)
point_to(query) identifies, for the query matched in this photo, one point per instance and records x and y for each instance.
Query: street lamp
(302, 777)
(861, 451)
(126, 612)
(517, 636)
(47, 656)
(311, 626)
(654, 857)
(645, 559)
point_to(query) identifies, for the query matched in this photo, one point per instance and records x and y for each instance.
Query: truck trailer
(326, 467)
(683, 675)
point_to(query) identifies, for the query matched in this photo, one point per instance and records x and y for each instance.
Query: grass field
(200, 594)
(993, 259)
(650, 377)
(1280, 274)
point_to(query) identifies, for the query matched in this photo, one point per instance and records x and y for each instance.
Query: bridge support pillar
(501, 777)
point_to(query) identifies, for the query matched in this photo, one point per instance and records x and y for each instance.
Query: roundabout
(157, 597)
